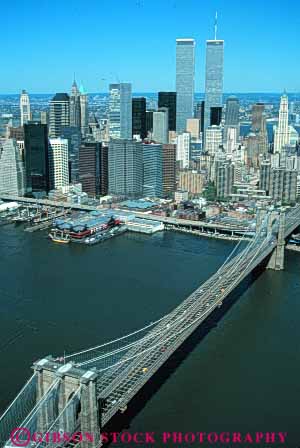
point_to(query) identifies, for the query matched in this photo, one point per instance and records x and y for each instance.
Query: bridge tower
(83, 413)
(276, 261)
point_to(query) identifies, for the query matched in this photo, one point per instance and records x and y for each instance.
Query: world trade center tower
(213, 82)
(185, 80)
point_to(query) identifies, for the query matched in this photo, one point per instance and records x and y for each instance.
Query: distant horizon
(156, 92)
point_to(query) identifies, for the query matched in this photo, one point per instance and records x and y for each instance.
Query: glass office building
(120, 111)
(185, 80)
(213, 81)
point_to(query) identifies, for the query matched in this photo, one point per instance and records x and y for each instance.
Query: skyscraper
(168, 99)
(73, 135)
(169, 169)
(58, 163)
(152, 170)
(89, 167)
(232, 111)
(213, 139)
(213, 81)
(139, 117)
(259, 127)
(160, 132)
(12, 172)
(281, 136)
(185, 80)
(125, 167)
(59, 114)
(25, 107)
(120, 111)
(75, 114)
(36, 157)
(183, 149)
(84, 112)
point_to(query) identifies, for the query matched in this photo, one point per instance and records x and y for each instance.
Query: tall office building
(168, 99)
(259, 127)
(213, 81)
(199, 113)
(160, 133)
(75, 113)
(59, 114)
(125, 167)
(120, 111)
(213, 139)
(283, 185)
(84, 111)
(89, 167)
(12, 172)
(224, 179)
(139, 117)
(103, 170)
(258, 110)
(58, 163)
(25, 107)
(193, 126)
(149, 121)
(183, 153)
(73, 135)
(169, 169)
(232, 117)
(185, 81)
(36, 157)
(152, 170)
(281, 136)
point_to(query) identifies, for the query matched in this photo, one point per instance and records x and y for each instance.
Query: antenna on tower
(216, 25)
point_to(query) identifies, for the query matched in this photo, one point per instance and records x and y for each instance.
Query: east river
(243, 375)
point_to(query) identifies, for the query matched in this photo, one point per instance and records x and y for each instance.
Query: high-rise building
(160, 133)
(120, 111)
(169, 169)
(152, 170)
(283, 185)
(258, 110)
(213, 82)
(183, 153)
(259, 127)
(232, 111)
(36, 157)
(185, 80)
(191, 181)
(125, 167)
(224, 179)
(84, 111)
(75, 113)
(59, 114)
(281, 136)
(25, 107)
(58, 163)
(199, 113)
(193, 126)
(89, 167)
(139, 117)
(149, 121)
(264, 176)
(213, 139)
(44, 118)
(168, 99)
(73, 135)
(103, 170)
(12, 172)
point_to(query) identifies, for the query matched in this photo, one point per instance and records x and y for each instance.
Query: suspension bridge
(81, 392)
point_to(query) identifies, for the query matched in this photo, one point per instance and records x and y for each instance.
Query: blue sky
(45, 41)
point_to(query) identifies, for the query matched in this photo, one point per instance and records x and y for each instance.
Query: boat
(59, 237)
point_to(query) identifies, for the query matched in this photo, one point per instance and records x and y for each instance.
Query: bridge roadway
(166, 220)
(119, 384)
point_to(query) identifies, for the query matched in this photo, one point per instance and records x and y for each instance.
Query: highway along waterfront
(243, 376)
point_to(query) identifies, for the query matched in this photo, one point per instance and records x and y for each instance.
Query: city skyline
(100, 58)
